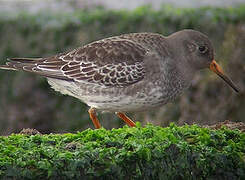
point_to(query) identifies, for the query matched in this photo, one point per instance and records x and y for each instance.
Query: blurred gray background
(33, 6)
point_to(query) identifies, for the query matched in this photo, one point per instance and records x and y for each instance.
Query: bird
(127, 73)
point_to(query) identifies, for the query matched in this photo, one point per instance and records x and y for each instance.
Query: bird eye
(202, 49)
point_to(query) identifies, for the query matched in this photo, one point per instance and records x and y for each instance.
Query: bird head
(199, 53)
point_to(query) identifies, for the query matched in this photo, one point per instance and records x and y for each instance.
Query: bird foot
(126, 119)
(93, 117)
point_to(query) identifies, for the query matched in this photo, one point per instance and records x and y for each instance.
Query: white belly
(114, 99)
(110, 101)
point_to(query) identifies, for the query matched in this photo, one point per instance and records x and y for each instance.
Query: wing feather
(109, 62)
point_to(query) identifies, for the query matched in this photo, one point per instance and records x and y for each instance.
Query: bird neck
(179, 59)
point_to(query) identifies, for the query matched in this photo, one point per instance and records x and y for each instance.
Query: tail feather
(24, 60)
(32, 65)
(7, 67)
(18, 63)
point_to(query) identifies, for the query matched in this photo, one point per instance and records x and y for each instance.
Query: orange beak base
(217, 69)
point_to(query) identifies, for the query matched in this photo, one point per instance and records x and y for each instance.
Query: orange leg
(93, 117)
(126, 119)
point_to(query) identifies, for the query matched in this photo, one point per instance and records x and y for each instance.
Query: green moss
(149, 152)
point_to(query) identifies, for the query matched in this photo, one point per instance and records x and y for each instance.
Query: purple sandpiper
(130, 72)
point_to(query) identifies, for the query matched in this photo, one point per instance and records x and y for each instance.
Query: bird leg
(126, 119)
(94, 118)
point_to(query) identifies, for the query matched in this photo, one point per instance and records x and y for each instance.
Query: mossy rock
(151, 152)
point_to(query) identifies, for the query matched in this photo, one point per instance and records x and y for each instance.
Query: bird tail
(33, 65)
(20, 64)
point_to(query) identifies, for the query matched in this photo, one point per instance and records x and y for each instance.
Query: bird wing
(110, 62)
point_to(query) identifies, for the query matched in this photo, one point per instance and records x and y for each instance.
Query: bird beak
(217, 69)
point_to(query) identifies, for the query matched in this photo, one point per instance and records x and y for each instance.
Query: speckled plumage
(131, 72)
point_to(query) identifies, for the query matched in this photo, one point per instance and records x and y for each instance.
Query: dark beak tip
(240, 91)
(237, 90)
